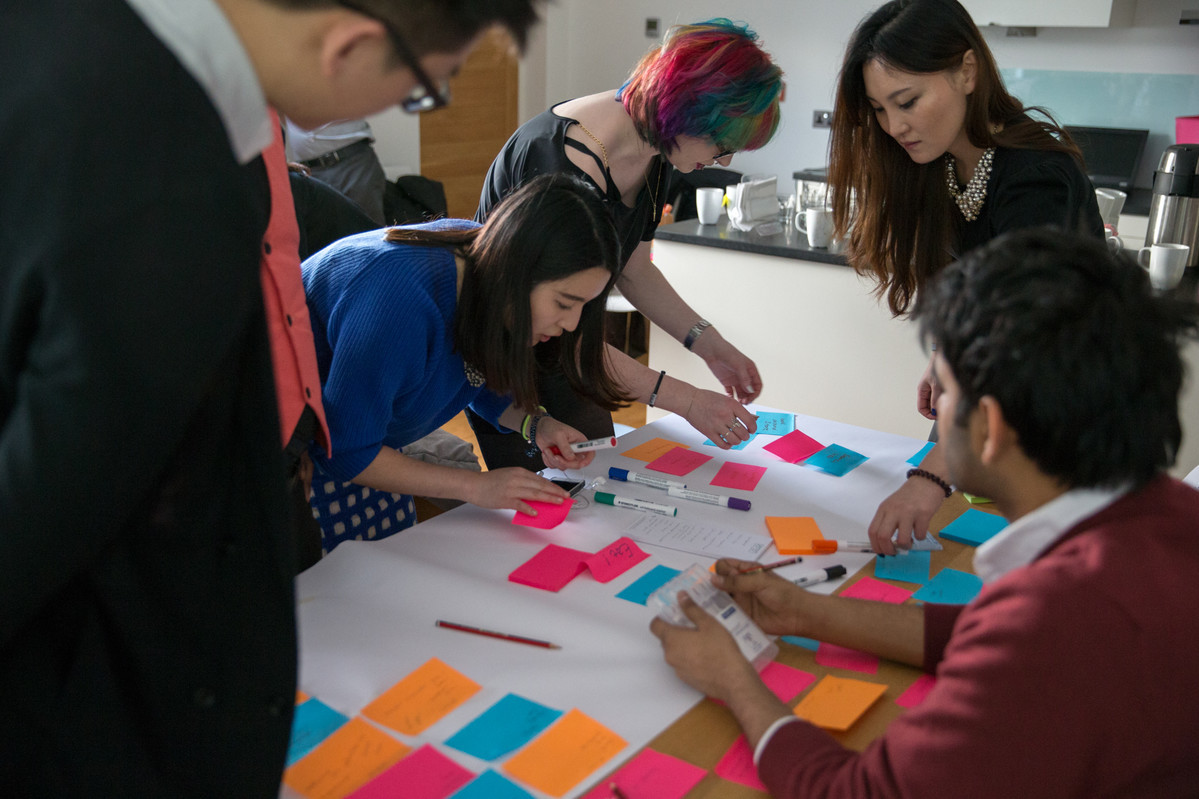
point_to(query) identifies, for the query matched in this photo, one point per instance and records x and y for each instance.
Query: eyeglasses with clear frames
(427, 95)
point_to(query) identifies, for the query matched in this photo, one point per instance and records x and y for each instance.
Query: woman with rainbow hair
(706, 93)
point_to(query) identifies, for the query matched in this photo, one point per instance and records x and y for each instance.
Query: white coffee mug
(708, 204)
(818, 224)
(1111, 203)
(1165, 263)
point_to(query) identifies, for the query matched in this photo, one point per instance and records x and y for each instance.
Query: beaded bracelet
(927, 475)
(528, 430)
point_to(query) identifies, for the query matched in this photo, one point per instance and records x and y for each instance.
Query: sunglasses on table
(427, 95)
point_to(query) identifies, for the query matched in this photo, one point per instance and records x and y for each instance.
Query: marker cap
(736, 503)
(618, 474)
(604, 498)
(834, 572)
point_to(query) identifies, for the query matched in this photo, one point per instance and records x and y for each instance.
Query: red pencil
(519, 639)
(772, 566)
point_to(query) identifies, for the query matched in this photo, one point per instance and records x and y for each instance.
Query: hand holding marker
(584, 446)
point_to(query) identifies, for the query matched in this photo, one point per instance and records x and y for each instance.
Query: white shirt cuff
(765, 739)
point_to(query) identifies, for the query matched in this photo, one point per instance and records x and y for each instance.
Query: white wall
(592, 46)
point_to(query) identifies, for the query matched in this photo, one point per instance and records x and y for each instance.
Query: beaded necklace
(970, 200)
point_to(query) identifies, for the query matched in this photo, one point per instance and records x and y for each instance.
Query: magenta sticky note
(870, 588)
(838, 657)
(615, 559)
(742, 476)
(653, 774)
(551, 568)
(786, 682)
(424, 774)
(737, 765)
(548, 515)
(794, 447)
(917, 691)
(678, 461)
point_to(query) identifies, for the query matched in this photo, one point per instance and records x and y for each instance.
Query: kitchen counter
(789, 243)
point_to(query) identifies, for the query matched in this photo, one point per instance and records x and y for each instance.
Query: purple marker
(735, 503)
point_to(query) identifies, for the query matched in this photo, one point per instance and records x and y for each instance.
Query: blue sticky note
(314, 722)
(911, 568)
(973, 527)
(950, 587)
(918, 458)
(490, 785)
(836, 460)
(771, 423)
(640, 589)
(739, 446)
(806, 643)
(504, 727)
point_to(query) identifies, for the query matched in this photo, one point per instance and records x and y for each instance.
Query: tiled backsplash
(1112, 100)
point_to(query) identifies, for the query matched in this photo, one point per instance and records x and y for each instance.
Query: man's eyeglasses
(427, 95)
(724, 154)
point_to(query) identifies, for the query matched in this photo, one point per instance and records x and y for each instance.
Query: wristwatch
(695, 332)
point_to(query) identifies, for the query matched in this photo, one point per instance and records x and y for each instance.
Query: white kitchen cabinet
(1052, 13)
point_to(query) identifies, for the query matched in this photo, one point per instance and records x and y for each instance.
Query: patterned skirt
(350, 512)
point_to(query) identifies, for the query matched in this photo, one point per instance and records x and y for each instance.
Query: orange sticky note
(419, 700)
(565, 754)
(301, 697)
(652, 449)
(793, 535)
(347, 760)
(837, 702)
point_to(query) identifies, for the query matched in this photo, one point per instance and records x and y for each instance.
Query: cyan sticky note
(314, 722)
(950, 587)
(490, 785)
(973, 527)
(911, 568)
(740, 446)
(640, 589)
(806, 643)
(771, 423)
(836, 460)
(918, 458)
(504, 727)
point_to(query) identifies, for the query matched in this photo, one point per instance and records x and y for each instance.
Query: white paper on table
(699, 539)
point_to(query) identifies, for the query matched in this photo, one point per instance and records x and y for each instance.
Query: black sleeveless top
(538, 147)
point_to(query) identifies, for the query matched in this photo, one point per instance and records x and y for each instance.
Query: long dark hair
(901, 228)
(549, 229)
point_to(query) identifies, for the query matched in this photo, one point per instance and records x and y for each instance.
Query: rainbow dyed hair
(709, 80)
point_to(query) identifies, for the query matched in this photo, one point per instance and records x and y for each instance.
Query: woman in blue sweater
(413, 324)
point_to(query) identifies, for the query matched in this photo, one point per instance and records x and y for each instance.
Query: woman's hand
(723, 420)
(510, 487)
(906, 512)
(928, 391)
(737, 373)
(554, 434)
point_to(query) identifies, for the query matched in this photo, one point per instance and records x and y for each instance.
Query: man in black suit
(147, 639)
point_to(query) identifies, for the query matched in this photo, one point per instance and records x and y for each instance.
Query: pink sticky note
(548, 515)
(794, 447)
(615, 559)
(678, 461)
(917, 691)
(424, 774)
(653, 774)
(839, 657)
(870, 588)
(551, 568)
(742, 476)
(786, 682)
(737, 765)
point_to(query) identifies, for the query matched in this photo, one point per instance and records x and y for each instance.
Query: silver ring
(732, 426)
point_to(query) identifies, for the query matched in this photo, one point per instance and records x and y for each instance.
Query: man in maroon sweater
(1072, 674)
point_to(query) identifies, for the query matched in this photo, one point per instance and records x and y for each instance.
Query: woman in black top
(707, 92)
(930, 157)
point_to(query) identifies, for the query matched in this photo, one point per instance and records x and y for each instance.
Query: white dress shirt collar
(203, 40)
(1023, 540)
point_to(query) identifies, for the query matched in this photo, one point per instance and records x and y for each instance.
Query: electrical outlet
(651, 27)
(822, 119)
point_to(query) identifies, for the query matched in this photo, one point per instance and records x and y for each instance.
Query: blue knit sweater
(383, 317)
